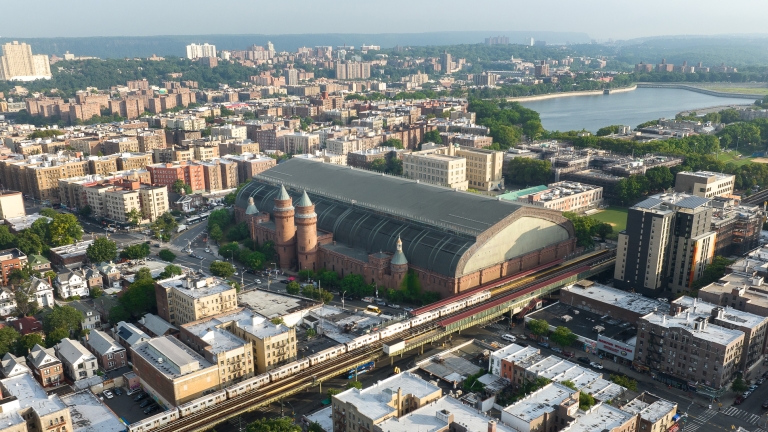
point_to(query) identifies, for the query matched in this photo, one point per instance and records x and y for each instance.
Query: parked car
(108, 394)
(145, 403)
(285, 281)
(753, 387)
(509, 337)
(544, 344)
(557, 350)
(747, 393)
(408, 309)
(208, 250)
(118, 391)
(139, 397)
(568, 354)
(760, 381)
(150, 409)
(381, 302)
(765, 404)
(584, 360)
(739, 400)
(596, 365)
(393, 306)
(258, 281)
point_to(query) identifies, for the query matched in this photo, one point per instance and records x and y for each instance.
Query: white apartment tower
(195, 51)
(18, 64)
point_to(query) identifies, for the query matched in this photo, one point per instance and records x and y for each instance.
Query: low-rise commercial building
(566, 196)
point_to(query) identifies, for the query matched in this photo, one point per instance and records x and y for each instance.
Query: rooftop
(73, 352)
(31, 395)
(156, 325)
(89, 414)
(540, 402)
(601, 417)
(585, 323)
(196, 288)
(170, 357)
(273, 305)
(732, 316)
(604, 390)
(650, 407)
(706, 175)
(615, 297)
(102, 342)
(374, 400)
(432, 417)
(710, 332)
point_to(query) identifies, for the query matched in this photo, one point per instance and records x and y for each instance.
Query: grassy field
(732, 157)
(745, 90)
(615, 216)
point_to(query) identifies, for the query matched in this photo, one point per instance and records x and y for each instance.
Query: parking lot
(125, 407)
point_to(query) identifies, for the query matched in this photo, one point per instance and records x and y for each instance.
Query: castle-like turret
(285, 229)
(306, 233)
(399, 264)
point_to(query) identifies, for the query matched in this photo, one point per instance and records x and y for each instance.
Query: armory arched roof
(368, 211)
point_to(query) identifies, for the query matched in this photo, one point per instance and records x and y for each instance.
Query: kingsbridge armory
(347, 220)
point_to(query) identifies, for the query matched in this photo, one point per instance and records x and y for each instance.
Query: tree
(26, 301)
(86, 211)
(18, 275)
(166, 255)
(355, 384)
(118, 313)
(6, 238)
(25, 343)
(433, 136)
(222, 269)
(354, 284)
(277, 321)
(137, 251)
(281, 424)
(29, 242)
(230, 250)
(539, 327)
(134, 216)
(181, 188)
(54, 337)
(8, 338)
(170, 271)
(96, 292)
(64, 230)
(603, 230)
(563, 336)
(139, 299)
(739, 385)
(164, 226)
(333, 392)
(528, 172)
(221, 218)
(393, 142)
(586, 401)
(569, 384)
(533, 129)
(216, 233)
(712, 272)
(293, 288)
(315, 427)
(306, 274)
(238, 232)
(144, 273)
(101, 250)
(659, 178)
(608, 130)
(625, 381)
(62, 317)
(379, 165)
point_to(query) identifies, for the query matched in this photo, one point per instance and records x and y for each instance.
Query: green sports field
(615, 216)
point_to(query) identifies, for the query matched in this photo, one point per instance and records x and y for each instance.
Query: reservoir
(630, 108)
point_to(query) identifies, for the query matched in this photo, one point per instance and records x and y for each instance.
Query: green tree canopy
(282, 424)
(101, 250)
(355, 384)
(222, 269)
(64, 318)
(8, 338)
(563, 336)
(170, 271)
(528, 172)
(293, 288)
(164, 226)
(433, 136)
(569, 384)
(25, 343)
(137, 251)
(739, 386)
(26, 300)
(166, 255)
(586, 401)
(181, 188)
(539, 327)
(625, 381)
(64, 230)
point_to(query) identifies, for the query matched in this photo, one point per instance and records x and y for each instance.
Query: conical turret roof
(304, 201)
(251, 209)
(399, 257)
(283, 195)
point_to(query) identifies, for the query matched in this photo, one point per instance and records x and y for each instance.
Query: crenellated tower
(285, 229)
(306, 233)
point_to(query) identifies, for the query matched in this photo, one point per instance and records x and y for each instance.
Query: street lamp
(342, 300)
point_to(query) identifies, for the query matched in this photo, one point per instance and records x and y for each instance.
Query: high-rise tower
(285, 229)
(306, 233)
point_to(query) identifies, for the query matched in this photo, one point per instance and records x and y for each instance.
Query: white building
(195, 51)
(566, 196)
(7, 302)
(229, 131)
(71, 284)
(42, 291)
(78, 362)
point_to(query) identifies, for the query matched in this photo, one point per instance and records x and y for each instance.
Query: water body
(630, 108)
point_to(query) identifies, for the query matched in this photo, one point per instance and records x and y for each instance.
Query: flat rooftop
(730, 315)
(450, 367)
(31, 395)
(711, 332)
(323, 418)
(170, 357)
(196, 288)
(604, 390)
(652, 409)
(373, 401)
(615, 297)
(584, 322)
(425, 419)
(600, 417)
(90, 415)
(273, 305)
(540, 402)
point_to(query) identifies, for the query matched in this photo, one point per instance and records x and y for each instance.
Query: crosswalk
(759, 430)
(742, 415)
(694, 423)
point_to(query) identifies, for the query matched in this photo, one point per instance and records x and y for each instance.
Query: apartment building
(667, 244)
(11, 204)
(300, 143)
(546, 409)
(737, 226)
(269, 136)
(238, 147)
(182, 299)
(205, 152)
(171, 372)
(705, 184)
(186, 122)
(133, 161)
(120, 145)
(483, 167)
(445, 414)
(28, 407)
(434, 167)
(686, 348)
(273, 344)
(229, 131)
(653, 413)
(19, 64)
(108, 352)
(102, 165)
(148, 141)
(42, 180)
(213, 339)
(354, 410)
(77, 361)
(566, 196)
(11, 259)
(363, 158)
(130, 107)
(173, 154)
(117, 201)
(87, 145)
(166, 174)
(248, 165)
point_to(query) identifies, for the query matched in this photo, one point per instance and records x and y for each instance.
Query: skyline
(655, 18)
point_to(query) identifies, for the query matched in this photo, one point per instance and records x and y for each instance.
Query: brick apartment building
(167, 174)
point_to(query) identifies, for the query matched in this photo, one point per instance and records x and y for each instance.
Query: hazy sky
(618, 19)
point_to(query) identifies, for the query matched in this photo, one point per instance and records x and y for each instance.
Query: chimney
(491, 425)
(399, 401)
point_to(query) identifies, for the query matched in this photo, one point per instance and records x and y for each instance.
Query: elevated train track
(502, 291)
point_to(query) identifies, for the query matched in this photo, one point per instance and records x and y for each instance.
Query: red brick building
(11, 259)
(167, 174)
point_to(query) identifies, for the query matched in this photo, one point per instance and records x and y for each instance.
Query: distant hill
(134, 46)
(736, 50)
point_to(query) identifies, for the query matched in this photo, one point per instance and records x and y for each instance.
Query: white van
(509, 337)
